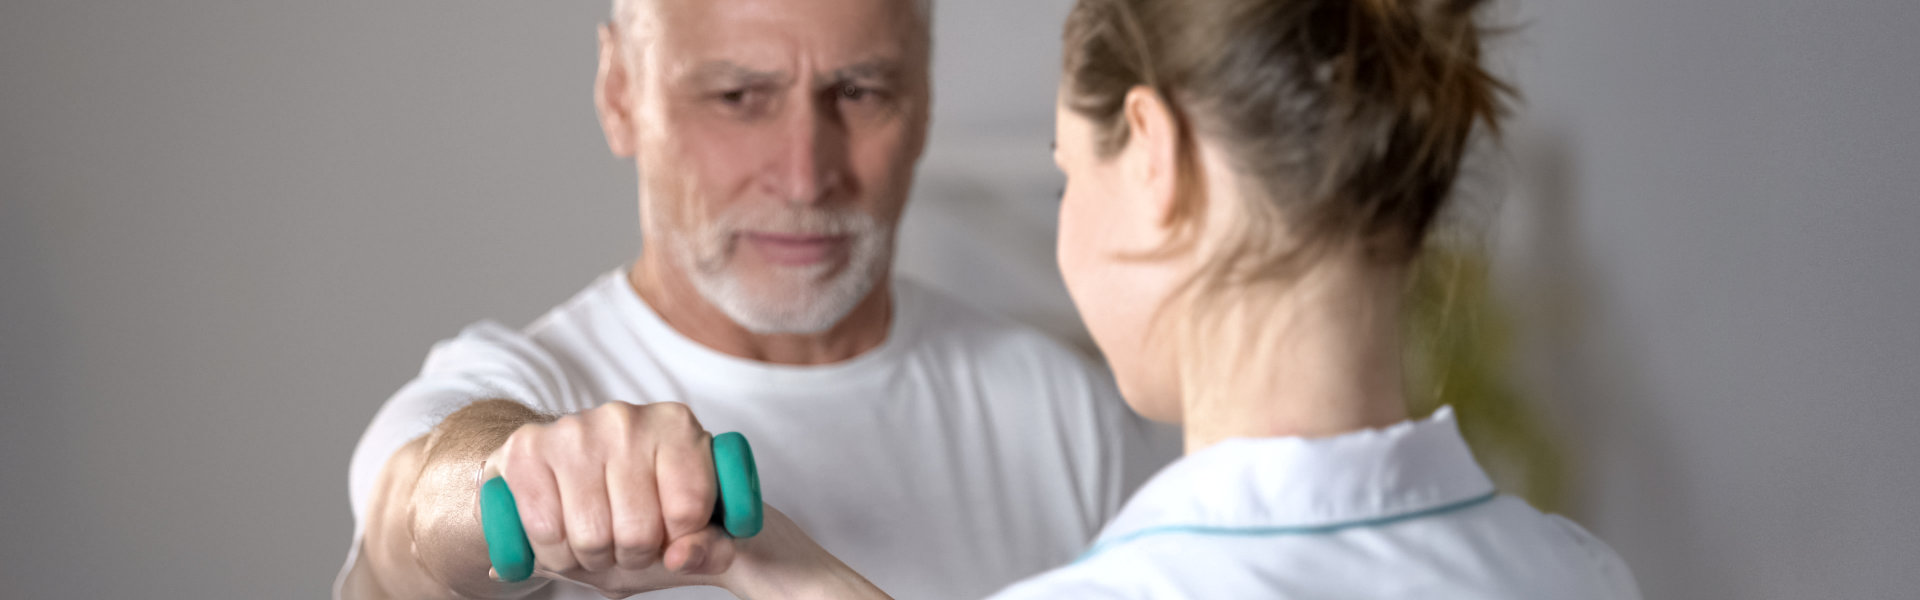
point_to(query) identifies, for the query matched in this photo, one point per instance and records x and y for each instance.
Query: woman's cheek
(1071, 255)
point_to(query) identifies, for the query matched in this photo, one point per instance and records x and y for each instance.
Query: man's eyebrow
(881, 69)
(732, 73)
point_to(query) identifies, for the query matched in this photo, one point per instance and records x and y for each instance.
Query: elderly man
(941, 451)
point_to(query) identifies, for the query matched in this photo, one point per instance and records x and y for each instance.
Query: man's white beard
(794, 300)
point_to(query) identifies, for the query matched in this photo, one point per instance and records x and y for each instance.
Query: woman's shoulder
(1501, 549)
(1547, 551)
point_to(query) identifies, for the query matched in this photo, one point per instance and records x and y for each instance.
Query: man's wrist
(446, 531)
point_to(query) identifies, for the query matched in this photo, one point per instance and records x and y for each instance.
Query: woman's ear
(1153, 149)
(612, 93)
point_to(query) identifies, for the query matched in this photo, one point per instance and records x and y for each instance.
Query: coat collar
(1308, 485)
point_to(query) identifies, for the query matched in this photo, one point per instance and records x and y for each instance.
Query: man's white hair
(623, 11)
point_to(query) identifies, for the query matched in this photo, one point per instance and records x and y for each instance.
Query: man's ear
(1153, 149)
(612, 93)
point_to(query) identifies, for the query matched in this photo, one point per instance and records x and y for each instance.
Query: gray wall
(228, 230)
(1716, 236)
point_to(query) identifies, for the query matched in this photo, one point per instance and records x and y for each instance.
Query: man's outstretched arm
(617, 498)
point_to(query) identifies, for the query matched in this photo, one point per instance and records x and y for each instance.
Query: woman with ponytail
(1248, 184)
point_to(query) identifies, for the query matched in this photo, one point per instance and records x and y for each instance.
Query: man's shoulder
(596, 306)
(947, 323)
(543, 345)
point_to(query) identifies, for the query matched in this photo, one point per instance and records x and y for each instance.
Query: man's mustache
(796, 221)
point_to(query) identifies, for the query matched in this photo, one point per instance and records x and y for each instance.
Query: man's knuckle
(590, 537)
(611, 412)
(594, 558)
(639, 534)
(635, 557)
(542, 530)
(570, 426)
(519, 460)
(621, 429)
(673, 412)
(557, 562)
(521, 445)
(686, 517)
(629, 527)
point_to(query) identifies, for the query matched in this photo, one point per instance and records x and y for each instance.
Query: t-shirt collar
(690, 358)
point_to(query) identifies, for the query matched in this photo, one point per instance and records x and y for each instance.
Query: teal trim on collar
(1296, 530)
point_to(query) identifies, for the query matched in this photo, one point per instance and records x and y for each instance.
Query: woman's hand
(783, 563)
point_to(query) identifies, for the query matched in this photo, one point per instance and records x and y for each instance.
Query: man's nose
(811, 161)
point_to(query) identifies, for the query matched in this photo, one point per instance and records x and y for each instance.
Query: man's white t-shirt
(962, 454)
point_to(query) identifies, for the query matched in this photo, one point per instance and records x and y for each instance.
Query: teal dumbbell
(738, 511)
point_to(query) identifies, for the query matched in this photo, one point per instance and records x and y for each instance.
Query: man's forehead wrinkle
(873, 68)
(726, 70)
(730, 72)
(922, 9)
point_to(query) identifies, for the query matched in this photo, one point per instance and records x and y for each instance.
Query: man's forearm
(427, 539)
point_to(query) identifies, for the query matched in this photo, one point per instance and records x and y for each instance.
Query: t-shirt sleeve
(1119, 449)
(485, 361)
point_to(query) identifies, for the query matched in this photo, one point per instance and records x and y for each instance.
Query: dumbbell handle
(738, 510)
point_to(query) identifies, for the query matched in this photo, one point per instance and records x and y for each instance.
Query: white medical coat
(1401, 512)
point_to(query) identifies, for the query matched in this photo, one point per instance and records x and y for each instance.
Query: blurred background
(228, 230)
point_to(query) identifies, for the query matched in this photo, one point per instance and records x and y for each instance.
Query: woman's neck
(1315, 357)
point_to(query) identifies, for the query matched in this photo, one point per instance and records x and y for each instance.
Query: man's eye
(733, 96)
(854, 92)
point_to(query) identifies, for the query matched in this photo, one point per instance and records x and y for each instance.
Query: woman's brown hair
(1350, 116)
(1345, 123)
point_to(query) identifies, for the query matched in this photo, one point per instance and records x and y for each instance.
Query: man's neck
(674, 298)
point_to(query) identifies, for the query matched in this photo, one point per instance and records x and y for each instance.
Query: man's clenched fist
(618, 497)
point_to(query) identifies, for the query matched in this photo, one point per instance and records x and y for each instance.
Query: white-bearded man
(939, 450)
